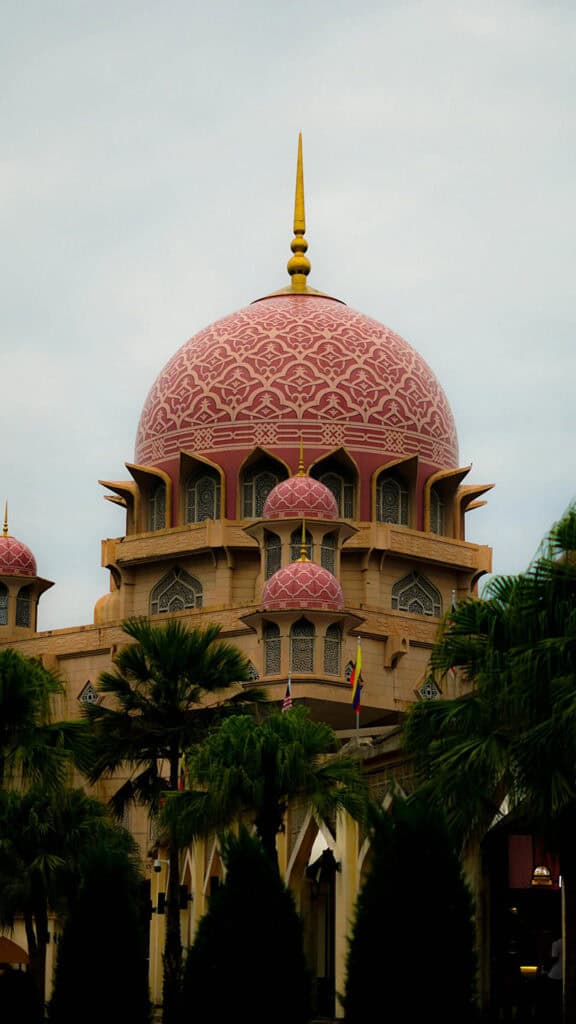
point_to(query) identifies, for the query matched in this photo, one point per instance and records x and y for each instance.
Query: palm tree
(167, 689)
(250, 766)
(43, 835)
(32, 747)
(513, 733)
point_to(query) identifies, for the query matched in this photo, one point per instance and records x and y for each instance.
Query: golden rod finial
(299, 264)
(301, 470)
(303, 544)
(5, 527)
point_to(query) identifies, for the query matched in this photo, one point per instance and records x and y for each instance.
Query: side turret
(20, 587)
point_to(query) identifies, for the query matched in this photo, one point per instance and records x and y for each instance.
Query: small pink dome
(303, 585)
(300, 497)
(15, 558)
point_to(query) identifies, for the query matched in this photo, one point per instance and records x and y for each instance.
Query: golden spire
(301, 470)
(303, 544)
(299, 264)
(5, 527)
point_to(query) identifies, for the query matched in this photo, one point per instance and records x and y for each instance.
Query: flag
(287, 701)
(355, 679)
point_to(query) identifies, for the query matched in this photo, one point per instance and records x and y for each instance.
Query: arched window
(271, 649)
(272, 554)
(391, 501)
(256, 486)
(302, 646)
(415, 594)
(436, 511)
(176, 592)
(328, 552)
(343, 490)
(23, 606)
(157, 507)
(203, 497)
(3, 605)
(296, 545)
(332, 648)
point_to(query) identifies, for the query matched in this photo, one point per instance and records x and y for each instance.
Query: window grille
(296, 545)
(436, 512)
(157, 507)
(271, 649)
(175, 592)
(302, 646)
(391, 501)
(343, 491)
(415, 594)
(273, 554)
(23, 606)
(203, 498)
(332, 649)
(328, 553)
(255, 489)
(3, 605)
(89, 694)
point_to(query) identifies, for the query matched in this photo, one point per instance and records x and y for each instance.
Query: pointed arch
(272, 649)
(3, 604)
(339, 473)
(258, 475)
(272, 554)
(332, 650)
(175, 592)
(24, 606)
(415, 594)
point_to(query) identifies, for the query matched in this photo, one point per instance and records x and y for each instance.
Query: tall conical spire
(299, 264)
(5, 527)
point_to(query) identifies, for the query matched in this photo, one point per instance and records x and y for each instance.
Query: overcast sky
(147, 161)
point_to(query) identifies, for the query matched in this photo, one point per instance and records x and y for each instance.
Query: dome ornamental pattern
(15, 558)
(300, 496)
(303, 584)
(291, 366)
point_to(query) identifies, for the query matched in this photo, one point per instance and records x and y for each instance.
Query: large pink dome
(15, 558)
(302, 585)
(291, 365)
(300, 497)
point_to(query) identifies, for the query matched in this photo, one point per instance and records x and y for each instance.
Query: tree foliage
(247, 961)
(252, 766)
(413, 938)
(102, 968)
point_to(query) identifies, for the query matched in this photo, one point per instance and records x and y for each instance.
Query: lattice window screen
(302, 646)
(415, 594)
(176, 592)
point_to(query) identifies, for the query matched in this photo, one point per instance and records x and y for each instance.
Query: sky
(147, 159)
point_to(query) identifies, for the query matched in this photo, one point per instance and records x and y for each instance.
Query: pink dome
(300, 497)
(15, 558)
(297, 365)
(303, 585)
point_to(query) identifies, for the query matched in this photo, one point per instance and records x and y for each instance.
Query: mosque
(296, 480)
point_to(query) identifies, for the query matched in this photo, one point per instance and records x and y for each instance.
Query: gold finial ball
(299, 264)
(299, 244)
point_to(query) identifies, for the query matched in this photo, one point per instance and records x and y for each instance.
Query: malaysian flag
(287, 701)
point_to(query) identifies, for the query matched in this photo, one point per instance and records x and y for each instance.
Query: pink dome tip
(303, 585)
(300, 497)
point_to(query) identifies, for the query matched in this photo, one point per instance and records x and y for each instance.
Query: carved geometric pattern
(300, 496)
(23, 605)
(343, 492)
(271, 649)
(3, 605)
(256, 487)
(297, 364)
(391, 501)
(415, 594)
(303, 585)
(429, 690)
(332, 648)
(253, 673)
(89, 694)
(302, 646)
(15, 558)
(272, 553)
(203, 497)
(175, 592)
(328, 552)
(157, 507)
